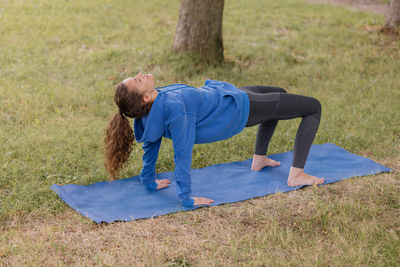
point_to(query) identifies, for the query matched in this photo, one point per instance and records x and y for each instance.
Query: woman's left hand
(162, 183)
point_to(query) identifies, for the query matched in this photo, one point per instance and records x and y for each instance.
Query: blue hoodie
(189, 115)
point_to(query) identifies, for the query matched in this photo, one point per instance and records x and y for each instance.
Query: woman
(216, 111)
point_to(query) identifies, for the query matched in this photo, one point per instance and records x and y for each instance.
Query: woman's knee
(283, 90)
(312, 106)
(317, 106)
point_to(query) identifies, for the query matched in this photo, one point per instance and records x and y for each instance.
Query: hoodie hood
(151, 127)
(156, 115)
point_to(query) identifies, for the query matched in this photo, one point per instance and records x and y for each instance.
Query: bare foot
(260, 162)
(297, 177)
(202, 201)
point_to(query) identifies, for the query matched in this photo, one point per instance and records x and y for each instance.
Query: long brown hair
(119, 135)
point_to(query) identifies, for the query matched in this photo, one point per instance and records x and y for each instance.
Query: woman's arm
(183, 133)
(148, 172)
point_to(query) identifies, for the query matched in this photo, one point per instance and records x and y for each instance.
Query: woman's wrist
(152, 185)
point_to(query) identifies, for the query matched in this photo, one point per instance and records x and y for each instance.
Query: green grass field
(59, 62)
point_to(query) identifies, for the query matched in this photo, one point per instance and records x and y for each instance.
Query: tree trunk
(392, 17)
(199, 29)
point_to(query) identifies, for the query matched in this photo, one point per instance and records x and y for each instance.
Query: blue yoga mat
(127, 199)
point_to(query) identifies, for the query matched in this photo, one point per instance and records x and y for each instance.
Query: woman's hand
(163, 183)
(202, 201)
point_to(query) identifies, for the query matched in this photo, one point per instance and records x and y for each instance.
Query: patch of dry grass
(346, 222)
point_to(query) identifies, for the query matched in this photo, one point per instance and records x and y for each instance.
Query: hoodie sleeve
(150, 155)
(183, 135)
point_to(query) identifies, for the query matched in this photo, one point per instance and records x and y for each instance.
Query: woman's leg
(263, 102)
(267, 109)
(293, 106)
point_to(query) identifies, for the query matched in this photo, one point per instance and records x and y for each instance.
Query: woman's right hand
(202, 201)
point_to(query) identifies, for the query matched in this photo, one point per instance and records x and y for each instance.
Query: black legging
(270, 104)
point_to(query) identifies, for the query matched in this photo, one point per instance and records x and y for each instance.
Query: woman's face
(142, 83)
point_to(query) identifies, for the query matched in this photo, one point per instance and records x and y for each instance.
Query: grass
(59, 61)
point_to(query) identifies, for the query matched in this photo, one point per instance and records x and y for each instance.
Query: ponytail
(119, 135)
(118, 144)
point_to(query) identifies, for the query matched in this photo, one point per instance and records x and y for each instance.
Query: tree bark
(199, 29)
(392, 17)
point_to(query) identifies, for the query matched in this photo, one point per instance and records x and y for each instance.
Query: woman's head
(134, 97)
(142, 84)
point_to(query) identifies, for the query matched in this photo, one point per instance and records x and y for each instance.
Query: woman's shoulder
(180, 102)
(170, 87)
